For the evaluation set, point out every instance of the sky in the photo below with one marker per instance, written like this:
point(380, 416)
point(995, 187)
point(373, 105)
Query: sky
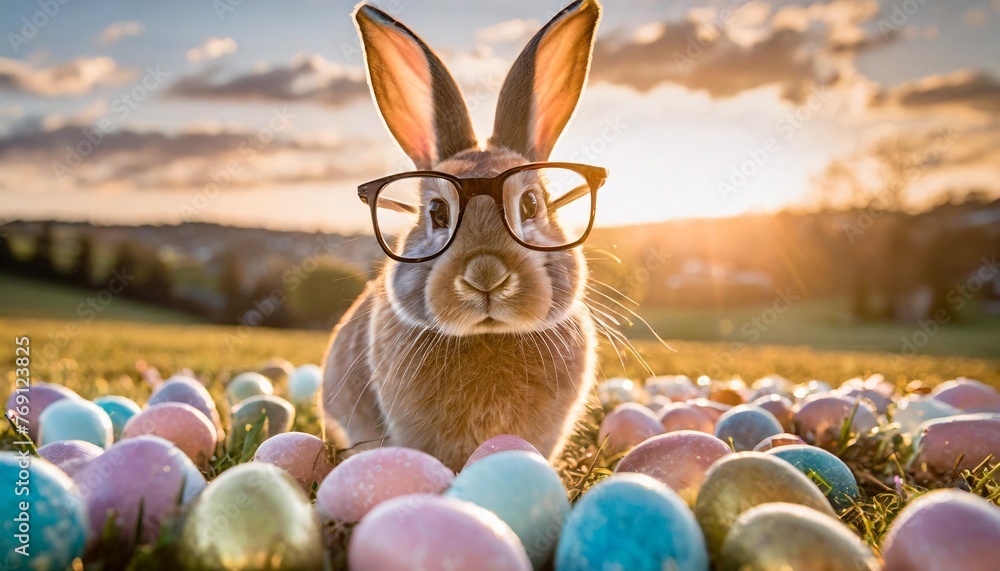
point(257, 114)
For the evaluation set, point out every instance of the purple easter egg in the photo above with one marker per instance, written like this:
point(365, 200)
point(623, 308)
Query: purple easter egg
point(678, 459)
point(684, 417)
point(968, 395)
point(627, 425)
point(947, 446)
point(780, 407)
point(70, 455)
point(29, 402)
point(819, 420)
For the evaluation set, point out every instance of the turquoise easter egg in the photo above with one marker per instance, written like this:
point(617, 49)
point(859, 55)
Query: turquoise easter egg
point(631, 521)
point(120, 409)
point(522, 490)
point(304, 383)
point(827, 471)
point(246, 385)
point(44, 524)
point(745, 426)
point(75, 419)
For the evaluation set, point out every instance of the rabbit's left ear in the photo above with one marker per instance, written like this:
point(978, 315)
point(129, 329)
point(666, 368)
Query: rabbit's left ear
point(417, 97)
point(544, 84)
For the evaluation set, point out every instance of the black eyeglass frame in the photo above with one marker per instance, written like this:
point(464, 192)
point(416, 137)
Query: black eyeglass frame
point(469, 188)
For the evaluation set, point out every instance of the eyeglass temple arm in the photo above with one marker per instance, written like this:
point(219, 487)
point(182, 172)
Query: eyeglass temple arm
point(569, 196)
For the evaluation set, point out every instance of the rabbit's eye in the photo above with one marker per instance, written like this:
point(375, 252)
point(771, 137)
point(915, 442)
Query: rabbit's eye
point(439, 213)
point(528, 205)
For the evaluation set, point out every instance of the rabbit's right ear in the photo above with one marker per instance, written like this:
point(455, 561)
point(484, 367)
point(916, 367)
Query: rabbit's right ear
point(417, 97)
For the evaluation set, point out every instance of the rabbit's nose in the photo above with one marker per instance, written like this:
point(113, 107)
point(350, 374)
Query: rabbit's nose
point(485, 273)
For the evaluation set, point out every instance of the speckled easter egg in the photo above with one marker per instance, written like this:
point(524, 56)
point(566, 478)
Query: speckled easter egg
point(619, 390)
point(944, 530)
point(819, 420)
point(434, 533)
point(43, 515)
point(912, 411)
point(246, 385)
point(179, 423)
point(368, 478)
point(631, 521)
point(684, 417)
point(147, 475)
point(678, 459)
point(968, 395)
point(627, 425)
point(302, 455)
point(500, 443)
point(188, 391)
point(830, 473)
point(738, 482)
point(279, 412)
point(745, 426)
point(524, 492)
point(677, 388)
point(780, 407)
point(277, 370)
point(304, 384)
point(70, 455)
point(947, 446)
point(782, 537)
point(119, 409)
point(29, 402)
point(75, 419)
point(783, 439)
point(253, 516)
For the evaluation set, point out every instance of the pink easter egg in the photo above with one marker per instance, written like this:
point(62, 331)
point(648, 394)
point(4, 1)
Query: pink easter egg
point(179, 423)
point(187, 390)
point(684, 417)
point(500, 443)
point(780, 407)
point(70, 455)
point(627, 425)
point(434, 533)
point(968, 395)
point(784, 439)
point(818, 420)
point(949, 445)
point(371, 477)
point(710, 407)
point(678, 459)
point(302, 455)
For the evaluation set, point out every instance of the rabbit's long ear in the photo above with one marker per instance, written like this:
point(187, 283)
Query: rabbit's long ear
point(419, 100)
point(544, 84)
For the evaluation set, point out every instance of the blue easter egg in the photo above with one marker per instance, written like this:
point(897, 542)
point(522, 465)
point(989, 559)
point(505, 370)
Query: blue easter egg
point(631, 521)
point(522, 490)
point(304, 383)
point(830, 473)
point(44, 525)
point(745, 426)
point(120, 409)
point(73, 419)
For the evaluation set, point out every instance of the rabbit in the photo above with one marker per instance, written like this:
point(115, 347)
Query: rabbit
point(413, 362)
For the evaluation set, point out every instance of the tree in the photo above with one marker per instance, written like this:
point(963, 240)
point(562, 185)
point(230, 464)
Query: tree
point(84, 266)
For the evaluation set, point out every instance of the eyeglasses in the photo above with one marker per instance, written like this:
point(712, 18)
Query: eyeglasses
point(545, 206)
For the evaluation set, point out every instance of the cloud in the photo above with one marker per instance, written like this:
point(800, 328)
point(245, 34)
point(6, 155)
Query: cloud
point(74, 77)
point(307, 78)
point(119, 30)
point(211, 48)
point(963, 90)
point(516, 30)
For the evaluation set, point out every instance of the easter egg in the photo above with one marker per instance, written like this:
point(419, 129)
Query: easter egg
point(500, 443)
point(119, 409)
point(524, 492)
point(627, 425)
point(968, 395)
point(631, 521)
point(619, 390)
point(814, 387)
point(29, 402)
point(246, 385)
point(780, 407)
point(280, 415)
point(783, 439)
point(737, 482)
point(277, 370)
point(304, 384)
point(947, 446)
point(828, 472)
point(726, 396)
point(781, 537)
point(819, 420)
point(678, 459)
point(684, 417)
point(143, 475)
point(745, 426)
point(253, 516)
point(710, 408)
point(434, 533)
point(44, 523)
point(944, 530)
point(75, 419)
point(770, 385)
point(913, 411)
point(179, 423)
point(70, 455)
point(301, 455)
point(188, 391)
point(677, 388)
point(880, 401)
point(370, 477)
